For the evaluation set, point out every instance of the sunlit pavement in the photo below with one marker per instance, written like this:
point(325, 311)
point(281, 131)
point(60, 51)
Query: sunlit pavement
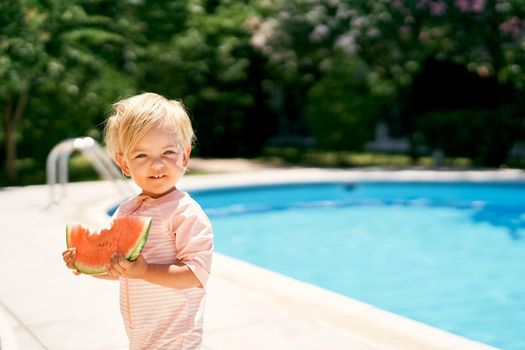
point(44, 306)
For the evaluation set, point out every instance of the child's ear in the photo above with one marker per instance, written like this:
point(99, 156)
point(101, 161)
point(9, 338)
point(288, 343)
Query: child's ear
point(119, 158)
point(186, 158)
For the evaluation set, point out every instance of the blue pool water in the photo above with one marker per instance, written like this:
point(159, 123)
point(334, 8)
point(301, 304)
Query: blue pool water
point(451, 255)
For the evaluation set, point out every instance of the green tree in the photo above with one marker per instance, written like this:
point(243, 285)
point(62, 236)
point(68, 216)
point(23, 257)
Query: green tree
point(21, 59)
point(341, 111)
point(395, 39)
point(210, 63)
point(62, 62)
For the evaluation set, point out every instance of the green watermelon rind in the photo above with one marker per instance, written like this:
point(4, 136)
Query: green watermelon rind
point(134, 253)
point(131, 255)
point(88, 270)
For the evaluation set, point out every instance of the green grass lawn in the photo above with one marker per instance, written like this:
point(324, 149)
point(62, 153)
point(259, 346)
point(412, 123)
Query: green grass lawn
point(320, 158)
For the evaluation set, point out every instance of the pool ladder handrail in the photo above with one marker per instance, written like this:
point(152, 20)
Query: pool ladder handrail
point(59, 156)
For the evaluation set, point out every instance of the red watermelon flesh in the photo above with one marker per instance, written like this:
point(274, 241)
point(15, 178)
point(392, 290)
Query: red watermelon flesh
point(126, 236)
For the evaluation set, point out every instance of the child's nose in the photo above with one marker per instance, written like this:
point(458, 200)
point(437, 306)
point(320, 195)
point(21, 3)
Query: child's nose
point(157, 164)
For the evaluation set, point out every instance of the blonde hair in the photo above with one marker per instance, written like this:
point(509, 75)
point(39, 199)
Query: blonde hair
point(131, 118)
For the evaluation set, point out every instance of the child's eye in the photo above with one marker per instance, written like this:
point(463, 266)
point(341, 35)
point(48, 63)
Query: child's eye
point(141, 155)
point(170, 152)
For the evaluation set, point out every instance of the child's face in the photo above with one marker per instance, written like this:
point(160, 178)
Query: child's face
point(156, 164)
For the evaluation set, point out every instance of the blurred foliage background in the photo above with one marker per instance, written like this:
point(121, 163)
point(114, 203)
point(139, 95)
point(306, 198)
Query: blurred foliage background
point(305, 80)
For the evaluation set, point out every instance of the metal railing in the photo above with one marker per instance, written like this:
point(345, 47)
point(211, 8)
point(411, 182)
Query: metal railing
point(57, 166)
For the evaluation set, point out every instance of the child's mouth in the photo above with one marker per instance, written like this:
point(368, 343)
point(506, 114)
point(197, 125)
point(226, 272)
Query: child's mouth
point(157, 176)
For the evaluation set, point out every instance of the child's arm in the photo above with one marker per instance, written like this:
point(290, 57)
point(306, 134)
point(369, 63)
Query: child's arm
point(167, 275)
point(194, 241)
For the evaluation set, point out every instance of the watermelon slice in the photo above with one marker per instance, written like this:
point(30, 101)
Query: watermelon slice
point(127, 236)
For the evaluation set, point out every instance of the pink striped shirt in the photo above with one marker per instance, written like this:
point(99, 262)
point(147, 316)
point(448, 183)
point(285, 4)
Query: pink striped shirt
point(158, 317)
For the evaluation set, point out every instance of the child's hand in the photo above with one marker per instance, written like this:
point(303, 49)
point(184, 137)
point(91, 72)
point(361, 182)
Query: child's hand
point(120, 266)
point(69, 256)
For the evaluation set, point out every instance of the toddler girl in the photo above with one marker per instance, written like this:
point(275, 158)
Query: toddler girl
point(162, 292)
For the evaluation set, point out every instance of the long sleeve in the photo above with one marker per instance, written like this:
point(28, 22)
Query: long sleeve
point(194, 240)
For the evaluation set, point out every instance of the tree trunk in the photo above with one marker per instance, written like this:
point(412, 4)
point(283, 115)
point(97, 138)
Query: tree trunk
point(12, 116)
point(10, 150)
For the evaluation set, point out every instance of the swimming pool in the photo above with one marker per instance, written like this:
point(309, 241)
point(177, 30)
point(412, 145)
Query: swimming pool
point(447, 254)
